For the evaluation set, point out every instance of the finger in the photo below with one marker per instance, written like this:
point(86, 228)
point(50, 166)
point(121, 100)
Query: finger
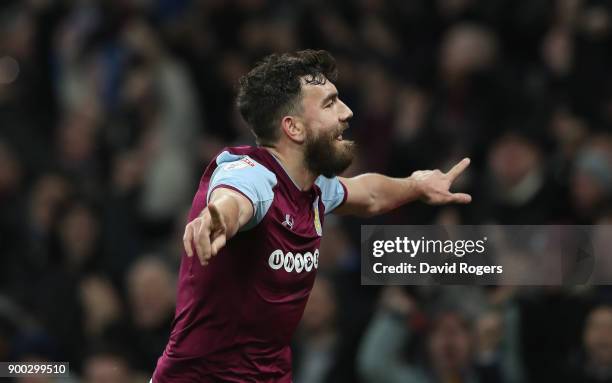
point(196, 226)
point(461, 198)
point(187, 238)
point(216, 217)
point(217, 244)
point(202, 242)
point(459, 168)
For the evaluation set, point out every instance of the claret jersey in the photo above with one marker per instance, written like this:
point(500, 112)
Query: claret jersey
point(235, 317)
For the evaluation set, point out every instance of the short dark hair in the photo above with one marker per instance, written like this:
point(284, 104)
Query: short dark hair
point(272, 88)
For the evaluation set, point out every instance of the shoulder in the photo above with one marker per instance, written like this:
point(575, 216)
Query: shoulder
point(241, 171)
point(329, 186)
point(238, 170)
point(333, 192)
point(242, 164)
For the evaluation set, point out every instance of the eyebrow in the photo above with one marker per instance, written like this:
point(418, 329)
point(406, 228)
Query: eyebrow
point(329, 97)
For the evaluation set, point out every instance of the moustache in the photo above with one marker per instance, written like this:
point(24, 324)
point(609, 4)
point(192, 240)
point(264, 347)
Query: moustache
point(340, 129)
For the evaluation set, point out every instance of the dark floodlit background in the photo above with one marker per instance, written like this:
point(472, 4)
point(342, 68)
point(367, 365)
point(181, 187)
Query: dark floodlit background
point(110, 110)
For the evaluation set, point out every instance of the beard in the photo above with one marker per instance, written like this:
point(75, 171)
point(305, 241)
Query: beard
point(326, 155)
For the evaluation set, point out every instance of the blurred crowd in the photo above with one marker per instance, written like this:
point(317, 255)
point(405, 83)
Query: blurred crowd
point(110, 110)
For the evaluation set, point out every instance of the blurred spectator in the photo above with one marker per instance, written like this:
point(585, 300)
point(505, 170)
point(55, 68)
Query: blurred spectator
point(79, 247)
point(467, 99)
point(337, 251)
point(101, 304)
point(151, 291)
point(74, 251)
point(518, 189)
point(454, 350)
point(172, 132)
point(36, 347)
point(591, 182)
point(376, 129)
point(317, 349)
point(551, 319)
point(106, 365)
point(76, 147)
point(595, 364)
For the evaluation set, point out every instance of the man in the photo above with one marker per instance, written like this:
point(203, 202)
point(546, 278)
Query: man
point(257, 220)
point(594, 363)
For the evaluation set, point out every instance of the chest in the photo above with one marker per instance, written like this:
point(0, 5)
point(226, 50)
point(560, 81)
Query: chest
point(291, 235)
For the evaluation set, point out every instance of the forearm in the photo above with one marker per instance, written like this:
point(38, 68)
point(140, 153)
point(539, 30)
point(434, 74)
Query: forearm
point(234, 214)
point(387, 193)
point(229, 209)
point(225, 213)
point(371, 194)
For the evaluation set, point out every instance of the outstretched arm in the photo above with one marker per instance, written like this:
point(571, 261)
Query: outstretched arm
point(226, 212)
point(372, 194)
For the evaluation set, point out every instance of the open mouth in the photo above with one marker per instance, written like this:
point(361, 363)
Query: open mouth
point(341, 130)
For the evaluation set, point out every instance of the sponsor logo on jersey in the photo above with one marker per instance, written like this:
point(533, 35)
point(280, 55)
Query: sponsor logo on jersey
point(297, 262)
point(317, 220)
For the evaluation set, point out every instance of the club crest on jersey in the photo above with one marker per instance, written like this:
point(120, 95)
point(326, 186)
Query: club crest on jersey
point(288, 221)
point(317, 219)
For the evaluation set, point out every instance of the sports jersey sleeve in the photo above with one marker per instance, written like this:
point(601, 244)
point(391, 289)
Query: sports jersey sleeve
point(333, 192)
point(249, 178)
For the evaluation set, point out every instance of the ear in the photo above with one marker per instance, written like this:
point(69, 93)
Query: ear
point(294, 128)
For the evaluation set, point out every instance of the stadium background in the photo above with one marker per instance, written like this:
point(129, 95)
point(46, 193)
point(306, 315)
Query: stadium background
point(109, 111)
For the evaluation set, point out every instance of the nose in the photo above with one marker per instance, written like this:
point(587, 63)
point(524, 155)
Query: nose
point(347, 113)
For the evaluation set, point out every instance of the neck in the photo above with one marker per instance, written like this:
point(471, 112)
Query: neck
point(292, 160)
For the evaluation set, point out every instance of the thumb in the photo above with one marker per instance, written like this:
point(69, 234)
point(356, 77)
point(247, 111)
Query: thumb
point(461, 198)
